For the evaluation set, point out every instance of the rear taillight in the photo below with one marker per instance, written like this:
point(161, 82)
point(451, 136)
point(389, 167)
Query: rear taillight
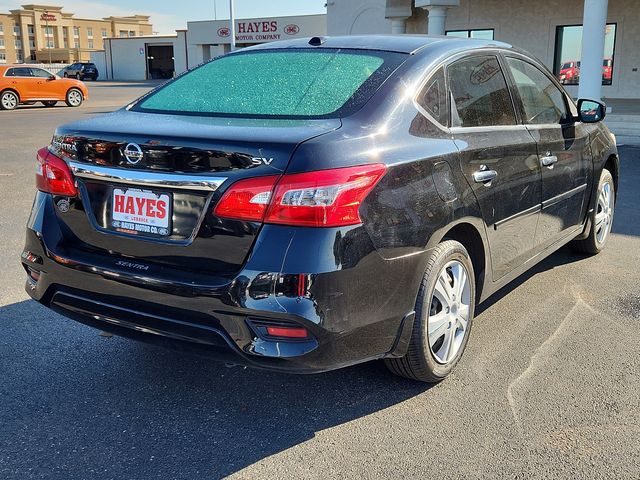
point(53, 175)
point(324, 198)
point(247, 199)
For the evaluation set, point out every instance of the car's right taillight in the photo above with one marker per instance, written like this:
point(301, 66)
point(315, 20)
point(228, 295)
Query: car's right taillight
point(323, 198)
point(53, 175)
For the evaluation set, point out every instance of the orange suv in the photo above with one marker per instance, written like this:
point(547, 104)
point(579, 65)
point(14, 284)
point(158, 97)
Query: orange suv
point(24, 84)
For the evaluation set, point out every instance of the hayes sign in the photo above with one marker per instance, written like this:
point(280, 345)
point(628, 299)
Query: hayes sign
point(260, 31)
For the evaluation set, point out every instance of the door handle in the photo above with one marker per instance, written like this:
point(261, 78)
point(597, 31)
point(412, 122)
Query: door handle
point(548, 160)
point(484, 175)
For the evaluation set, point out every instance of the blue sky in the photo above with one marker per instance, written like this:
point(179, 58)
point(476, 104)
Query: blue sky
point(166, 16)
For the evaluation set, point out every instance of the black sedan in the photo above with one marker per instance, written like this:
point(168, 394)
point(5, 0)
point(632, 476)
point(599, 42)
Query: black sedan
point(310, 204)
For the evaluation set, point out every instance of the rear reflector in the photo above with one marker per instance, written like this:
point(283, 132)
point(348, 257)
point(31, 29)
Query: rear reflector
point(53, 175)
point(324, 198)
point(287, 332)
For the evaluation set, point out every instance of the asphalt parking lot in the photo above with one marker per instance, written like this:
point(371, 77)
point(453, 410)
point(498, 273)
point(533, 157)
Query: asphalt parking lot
point(549, 386)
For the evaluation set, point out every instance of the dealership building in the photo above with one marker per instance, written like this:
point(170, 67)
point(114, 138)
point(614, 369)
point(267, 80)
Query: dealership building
point(151, 57)
point(603, 55)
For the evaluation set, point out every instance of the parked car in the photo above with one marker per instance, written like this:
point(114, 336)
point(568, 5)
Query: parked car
point(21, 84)
point(569, 73)
point(81, 71)
point(607, 71)
point(356, 200)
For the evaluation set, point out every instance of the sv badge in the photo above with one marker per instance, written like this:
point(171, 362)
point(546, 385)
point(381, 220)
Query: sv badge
point(261, 161)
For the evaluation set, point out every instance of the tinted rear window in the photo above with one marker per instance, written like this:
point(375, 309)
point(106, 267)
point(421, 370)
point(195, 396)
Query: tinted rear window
point(292, 83)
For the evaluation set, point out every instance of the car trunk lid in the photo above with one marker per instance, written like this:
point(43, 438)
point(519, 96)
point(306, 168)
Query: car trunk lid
point(148, 183)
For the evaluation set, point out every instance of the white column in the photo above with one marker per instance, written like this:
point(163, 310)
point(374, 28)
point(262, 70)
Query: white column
point(593, 32)
point(398, 25)
point(437, 19)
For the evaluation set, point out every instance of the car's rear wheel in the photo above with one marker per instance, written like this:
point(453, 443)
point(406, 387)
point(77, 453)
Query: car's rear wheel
point(601, 217)
point(74, 97)
point(444, 314)
point(9, 100)
point(65, 75)
point(49, 103)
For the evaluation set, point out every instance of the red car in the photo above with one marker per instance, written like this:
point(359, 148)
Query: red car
point(569, 73)
point(607, 71)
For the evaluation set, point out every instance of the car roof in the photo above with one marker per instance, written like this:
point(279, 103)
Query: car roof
point(393, 43)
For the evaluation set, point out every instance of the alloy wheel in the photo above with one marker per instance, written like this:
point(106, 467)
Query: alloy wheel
point(75, 98)
point(604, 212)
point(9, 101)
point(449, 311)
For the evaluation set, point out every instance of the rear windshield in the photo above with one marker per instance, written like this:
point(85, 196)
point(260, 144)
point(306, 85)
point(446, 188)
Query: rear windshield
point(292, 83)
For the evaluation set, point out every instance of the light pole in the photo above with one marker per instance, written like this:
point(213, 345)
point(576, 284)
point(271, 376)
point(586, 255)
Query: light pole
point(46, 32)
point(232, 26)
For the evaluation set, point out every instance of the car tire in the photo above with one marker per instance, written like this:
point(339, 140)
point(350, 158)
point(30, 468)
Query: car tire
point(601, 218)
point(49, 103)
point(65, 75)
point(9, 100)
point(74, 97)
point(438, 319)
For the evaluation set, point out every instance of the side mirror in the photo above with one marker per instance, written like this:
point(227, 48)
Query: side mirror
point(52, 77)
point(591, 111)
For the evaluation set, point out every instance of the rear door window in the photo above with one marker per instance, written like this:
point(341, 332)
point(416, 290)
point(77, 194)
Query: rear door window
point(479, 94)
point(542, 101)
point(281, 83)
point(18, 72)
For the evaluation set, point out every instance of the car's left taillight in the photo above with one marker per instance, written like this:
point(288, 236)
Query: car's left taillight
point(53, 175)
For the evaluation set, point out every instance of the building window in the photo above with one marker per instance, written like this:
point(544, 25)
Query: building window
point(50, 44)
point(3, 58)
point(30, 29)
point(566, 63)
point(32, 43)
point(89, 32)
point(19, 58)
point(76, 44)
point(33, 56)
point(16, 29)
point(66, 43)
point(90, 43)
point(104, 33)
point(1, 42)
point(123, 34)
point(18, 44)
point(484, 34)
point(132, 33)
point(76, 32)
point(1, 28)
point(48, 31)
point(65, 32)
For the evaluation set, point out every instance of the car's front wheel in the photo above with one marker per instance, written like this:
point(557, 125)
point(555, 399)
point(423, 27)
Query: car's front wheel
point(74, 97)
point(9, 100)
point(65, 75)
point(444, 314)
point(601, 217)
point(49, 103)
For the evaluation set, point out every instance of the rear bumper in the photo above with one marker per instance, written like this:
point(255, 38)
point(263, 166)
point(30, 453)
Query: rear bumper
point(356, 305)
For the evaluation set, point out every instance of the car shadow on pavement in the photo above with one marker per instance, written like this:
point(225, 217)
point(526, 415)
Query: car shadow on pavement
point(75, 404)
